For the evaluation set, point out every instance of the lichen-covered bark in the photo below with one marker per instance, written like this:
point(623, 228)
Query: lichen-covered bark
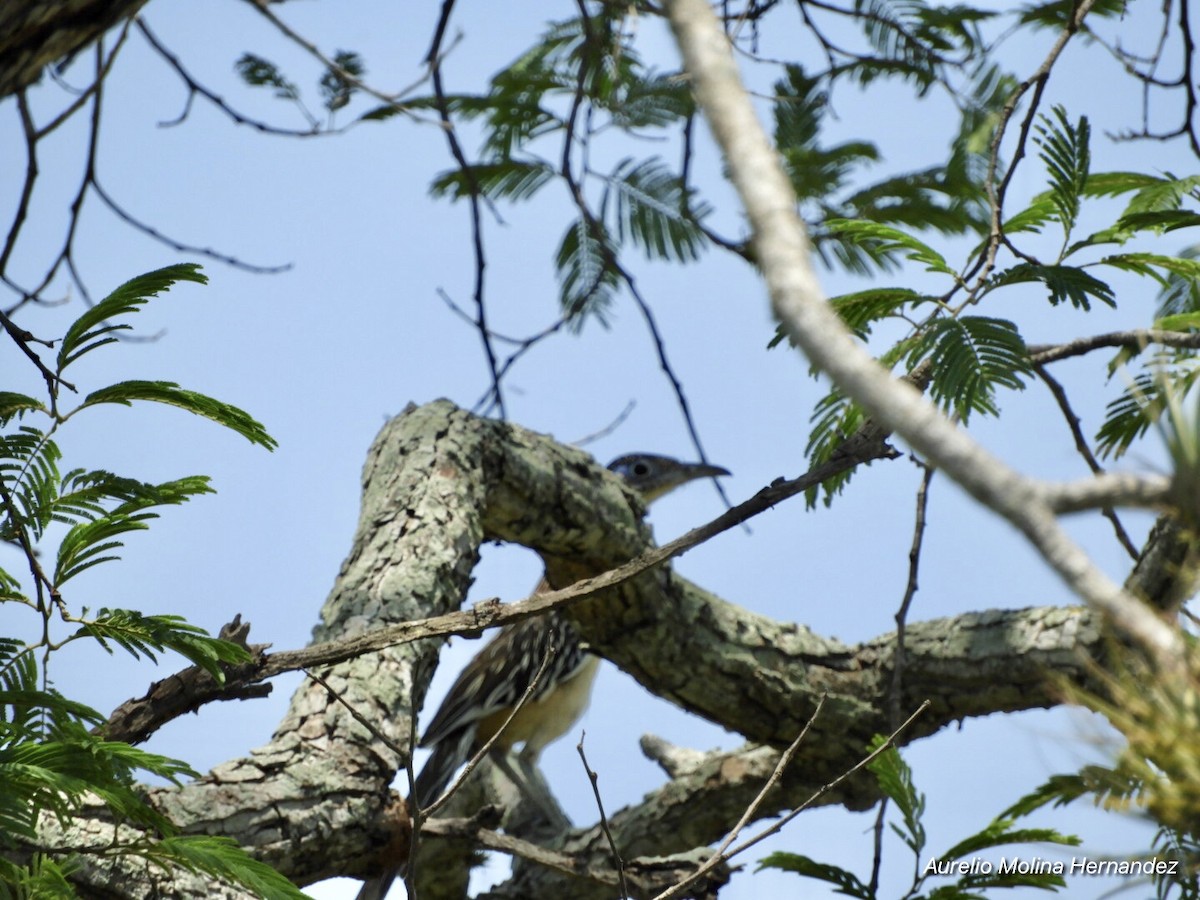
point(315, 801)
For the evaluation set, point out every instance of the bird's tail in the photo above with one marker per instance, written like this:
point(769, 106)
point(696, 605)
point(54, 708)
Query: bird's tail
point(448, 754)
point(377, 888)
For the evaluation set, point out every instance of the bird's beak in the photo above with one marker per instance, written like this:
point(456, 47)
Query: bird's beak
point(704, 470)
point(680, 475)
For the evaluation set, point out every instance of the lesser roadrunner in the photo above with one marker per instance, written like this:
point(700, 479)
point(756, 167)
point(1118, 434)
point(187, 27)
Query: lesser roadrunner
point(491, 685)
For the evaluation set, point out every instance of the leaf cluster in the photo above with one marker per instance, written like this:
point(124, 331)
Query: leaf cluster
point(580, 79)
point(54, 759)
point(337, 85)
point(977, 357)
point(895, 780)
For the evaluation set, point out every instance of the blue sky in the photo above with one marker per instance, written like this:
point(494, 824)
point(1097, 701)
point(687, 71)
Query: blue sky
point(324, 353)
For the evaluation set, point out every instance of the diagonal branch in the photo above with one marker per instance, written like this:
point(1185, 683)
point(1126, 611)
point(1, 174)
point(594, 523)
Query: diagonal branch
point(784, 254)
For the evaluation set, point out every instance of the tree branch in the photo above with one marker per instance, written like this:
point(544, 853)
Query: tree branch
point(783, 251)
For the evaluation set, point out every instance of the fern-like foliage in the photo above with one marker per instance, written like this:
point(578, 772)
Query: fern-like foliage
point(171, 394)
point(895, 780)
point(972, 356)
point(259, 72)
point(648, 204)
point(142, 635)
point(586, 274)
point(336, 89)
point(1143, 401)
point(1064, 284)
point(96, 327)
point(499, 179)
point(1066, 155)
point(54, 760)
point(835, 418)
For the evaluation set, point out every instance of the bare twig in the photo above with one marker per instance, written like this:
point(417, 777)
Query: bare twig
point(897, 688)
point(594, 779)
point(1138, 340)
point(355, 714)
point(194, 88)
point(434, 60)
point(1081, 444)
point(778, 826)
point(722, 854)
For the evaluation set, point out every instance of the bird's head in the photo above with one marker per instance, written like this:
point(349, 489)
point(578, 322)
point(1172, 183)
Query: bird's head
point(652, 476)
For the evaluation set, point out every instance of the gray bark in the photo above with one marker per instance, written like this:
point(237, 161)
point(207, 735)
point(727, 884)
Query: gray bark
point(315, 802)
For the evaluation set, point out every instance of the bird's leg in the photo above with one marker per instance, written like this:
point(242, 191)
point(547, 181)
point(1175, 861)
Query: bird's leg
point(528, 780)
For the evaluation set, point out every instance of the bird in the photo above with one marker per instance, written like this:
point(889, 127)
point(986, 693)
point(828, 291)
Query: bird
point(493, 682)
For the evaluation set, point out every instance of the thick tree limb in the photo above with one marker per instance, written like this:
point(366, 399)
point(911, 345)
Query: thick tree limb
point(35, 33)
point(315, 801)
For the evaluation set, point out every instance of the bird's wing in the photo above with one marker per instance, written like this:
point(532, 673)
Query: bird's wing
point(502, 671)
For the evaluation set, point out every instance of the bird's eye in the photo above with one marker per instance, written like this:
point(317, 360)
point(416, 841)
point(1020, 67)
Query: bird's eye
point(641, 468)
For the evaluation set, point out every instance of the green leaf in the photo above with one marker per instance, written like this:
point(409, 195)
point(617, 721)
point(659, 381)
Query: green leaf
point(653, 101)
point(17, 405)
point(82, 546)
point(510, 179)
point(1065, 283)
point(259, 72)
point(972, 356)
point(887, 240)
point(846, 882)
point(1059, 14)
point(932, 199)
point(336, 90)
point(815, 172)
point(1163, 195)
point(1181, 294)
point(861, 309)
point(93, 329)
point(835, 418)
point(1065, 153)
point(1183, 322)
point(1042, 209)
point(1140, 405)
point(172, 394)
point(57, 775)
point(895, 780)
point(29, 464)
point(650, 206)
point(586, 274)
point(1001, 833)
point(221, 858)
point(140, 635)
point(1113, 184)
point(1150, 263)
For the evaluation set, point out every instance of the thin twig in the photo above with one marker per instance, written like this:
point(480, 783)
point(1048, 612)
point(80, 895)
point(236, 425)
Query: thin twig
point(355, 714)
point(475, 194)
point(607, 429)
point(612, 844)
point(816, 795)
point(180, 246)
point(1081, 444)
point(896, 690)
point(1137, 340)
point(194, 88)
point(752, 810)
